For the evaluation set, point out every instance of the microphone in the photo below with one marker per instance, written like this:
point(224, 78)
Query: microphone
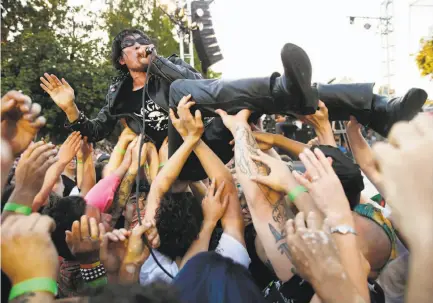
point(149, 50)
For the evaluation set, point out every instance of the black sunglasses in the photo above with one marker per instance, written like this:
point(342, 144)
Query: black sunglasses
point(131, 41)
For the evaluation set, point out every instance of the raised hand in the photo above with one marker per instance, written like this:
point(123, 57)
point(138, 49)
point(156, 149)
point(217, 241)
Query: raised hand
point(264, 140)
point(70, 148)
point(20, 120)
point(311, 246)
point(86, 150)
point(353, 125)
point(319, 119)
point(186, 124)
point(404, 166)
point(230, 121)
point(324, 187)
point(279, 177)
point(31, 170)
point(60, 91)
point(113, 249)
point(127, 135)
point(84, 240)
point(25, 238)
point(214, 204)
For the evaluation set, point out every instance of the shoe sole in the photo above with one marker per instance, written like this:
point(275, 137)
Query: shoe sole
point(297, 67)
point(413, 104)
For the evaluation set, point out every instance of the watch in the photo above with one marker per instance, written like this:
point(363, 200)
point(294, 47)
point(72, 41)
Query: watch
point(343, 229)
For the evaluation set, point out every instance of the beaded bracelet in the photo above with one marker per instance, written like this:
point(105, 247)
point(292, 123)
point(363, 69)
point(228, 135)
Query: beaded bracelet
point(91, 272)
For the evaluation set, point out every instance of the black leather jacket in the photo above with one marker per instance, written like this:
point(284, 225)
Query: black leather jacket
point(163, 72)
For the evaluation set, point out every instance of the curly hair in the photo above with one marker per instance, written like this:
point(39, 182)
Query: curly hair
point(64, 211)
point(178, 220)
point(116, 49)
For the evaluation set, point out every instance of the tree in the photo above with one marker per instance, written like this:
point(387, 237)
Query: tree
point(45, 37)
point(424, 59)
point(147, 16)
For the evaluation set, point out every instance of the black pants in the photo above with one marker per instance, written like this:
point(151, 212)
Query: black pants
point(254, 94)
point(209, 95)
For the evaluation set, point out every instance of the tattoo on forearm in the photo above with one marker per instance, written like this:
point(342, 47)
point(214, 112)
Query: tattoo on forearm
point(280, 212)
point(122, 196)
point(280, 238)
point(24, 298)
point(245, 146)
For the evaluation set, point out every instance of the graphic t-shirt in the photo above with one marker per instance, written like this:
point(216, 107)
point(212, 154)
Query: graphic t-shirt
point(156, 117)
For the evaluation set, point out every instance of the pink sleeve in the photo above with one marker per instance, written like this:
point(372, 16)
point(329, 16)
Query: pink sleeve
point(102, 194)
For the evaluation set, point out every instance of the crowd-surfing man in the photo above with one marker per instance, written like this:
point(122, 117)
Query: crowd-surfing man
point(164, 81)
point(221, 218)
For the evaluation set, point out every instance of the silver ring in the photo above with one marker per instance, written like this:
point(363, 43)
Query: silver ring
point(315, 178)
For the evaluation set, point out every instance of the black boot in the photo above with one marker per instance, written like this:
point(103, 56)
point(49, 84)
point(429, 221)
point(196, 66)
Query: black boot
point(374, 111)
point(385, 113)
point(292, 91)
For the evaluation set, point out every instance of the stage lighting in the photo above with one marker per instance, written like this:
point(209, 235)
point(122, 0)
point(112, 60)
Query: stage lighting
point(204, 38)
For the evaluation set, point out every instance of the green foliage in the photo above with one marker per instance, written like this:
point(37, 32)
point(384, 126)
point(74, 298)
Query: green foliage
point(39, 36)
point(424, 59)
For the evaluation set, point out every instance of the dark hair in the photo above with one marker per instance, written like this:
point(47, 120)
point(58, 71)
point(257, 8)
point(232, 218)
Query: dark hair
point(64, 211)
point(116, 49)
point(157, 292)
point(211, 278)
point(178, 220)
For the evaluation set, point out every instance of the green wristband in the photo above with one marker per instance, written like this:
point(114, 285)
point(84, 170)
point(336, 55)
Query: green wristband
point(161, 165)
point(79, 161)
point(18, 208)
point(121, 151)
point(36, 284)
point(294, 193)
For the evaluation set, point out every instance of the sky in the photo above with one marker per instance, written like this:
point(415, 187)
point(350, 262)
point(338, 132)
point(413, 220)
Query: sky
point(251, 34)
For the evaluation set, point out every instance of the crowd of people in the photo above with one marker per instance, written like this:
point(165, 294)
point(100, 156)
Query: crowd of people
point(77, 227)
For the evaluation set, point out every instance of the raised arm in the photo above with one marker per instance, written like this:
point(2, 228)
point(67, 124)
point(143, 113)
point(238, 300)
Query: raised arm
point(363, 153)
point(67, 152)
point(171, 170)
point(116, 157)
point(63, 95)
point(232, 221)
point(214, 206)
point(85, 168)
point(266, 206)
point(267, 140)
point(320, 121)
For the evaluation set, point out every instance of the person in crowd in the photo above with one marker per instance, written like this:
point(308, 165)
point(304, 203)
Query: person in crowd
point(254, 225)
point(149, 85)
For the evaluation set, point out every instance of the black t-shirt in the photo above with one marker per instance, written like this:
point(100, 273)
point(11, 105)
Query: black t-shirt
point(69, 185)
point(156, 126)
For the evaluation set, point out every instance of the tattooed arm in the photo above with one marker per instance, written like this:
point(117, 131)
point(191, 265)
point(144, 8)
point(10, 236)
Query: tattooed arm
point(122, 195)
point(268, 209)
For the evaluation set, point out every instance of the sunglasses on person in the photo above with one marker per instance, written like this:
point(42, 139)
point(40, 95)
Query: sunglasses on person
point(131, 42)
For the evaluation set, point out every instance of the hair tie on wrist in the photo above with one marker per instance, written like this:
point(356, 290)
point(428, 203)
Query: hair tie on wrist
point(32, 285)
point(18, 208)
point(294, 193)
